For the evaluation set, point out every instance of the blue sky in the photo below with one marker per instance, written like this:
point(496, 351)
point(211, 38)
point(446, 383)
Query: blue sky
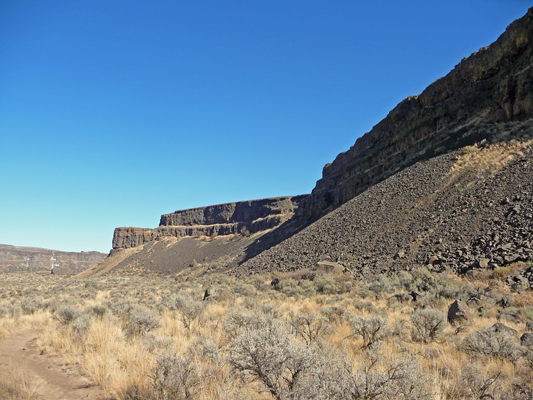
point(115, 112)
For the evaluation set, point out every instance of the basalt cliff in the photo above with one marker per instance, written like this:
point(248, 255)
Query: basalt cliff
point(244, 218)
point(443, 181)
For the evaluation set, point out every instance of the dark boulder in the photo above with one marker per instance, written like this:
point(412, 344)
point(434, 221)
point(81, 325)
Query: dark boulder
point(458, 313)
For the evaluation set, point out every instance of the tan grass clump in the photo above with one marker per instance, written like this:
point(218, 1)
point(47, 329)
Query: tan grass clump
point(489, 159)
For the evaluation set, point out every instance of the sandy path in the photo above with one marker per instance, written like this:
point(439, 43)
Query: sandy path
point(54, 381)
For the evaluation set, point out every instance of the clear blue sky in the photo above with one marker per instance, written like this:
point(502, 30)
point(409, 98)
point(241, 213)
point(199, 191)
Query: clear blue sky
point(114, 112)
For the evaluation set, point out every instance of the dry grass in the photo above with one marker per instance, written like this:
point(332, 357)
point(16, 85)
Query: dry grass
point(126, 364)
point(491, 158)
point(16, 385)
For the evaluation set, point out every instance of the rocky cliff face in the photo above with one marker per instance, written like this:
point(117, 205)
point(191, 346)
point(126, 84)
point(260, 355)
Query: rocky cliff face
point(30, 259)
point(242, 217)
point(461, 212)
point(473, 102)
point(403, 196)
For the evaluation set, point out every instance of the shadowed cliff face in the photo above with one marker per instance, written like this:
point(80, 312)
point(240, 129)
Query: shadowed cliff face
point(244, 217)
point(491, 87)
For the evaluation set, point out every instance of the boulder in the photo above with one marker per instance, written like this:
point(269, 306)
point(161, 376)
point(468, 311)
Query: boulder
point(498, 327)
point(458, 313)
point(527, 339)
point(330, 267)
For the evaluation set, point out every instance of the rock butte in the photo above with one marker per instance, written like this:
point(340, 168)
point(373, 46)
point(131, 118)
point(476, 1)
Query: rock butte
point(399, 197)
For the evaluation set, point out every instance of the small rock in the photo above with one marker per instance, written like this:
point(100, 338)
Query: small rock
point(483, 262)
point(512, 258)
point(529, 326)
point(433, 260)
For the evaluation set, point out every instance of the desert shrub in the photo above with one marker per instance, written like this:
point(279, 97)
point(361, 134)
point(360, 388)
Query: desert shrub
point(31, 306)
point(477, 384)
point(429, 324)
point(245, 290)
point(141, 320)
point(257, 281)
point(490, 343)
point(155, 344)
point(405, 280)
point(525, 312)
point(326, 284)
point(190, 310)
point(469, 149)
point(307, 288)
point(121, 308)
point(363, 291)
point(333, 314)
point(81, 324)
point(373, 376)
point(378, 376)
point(67, 314)
point(425, 281)
point(367, 306)
point(174, 378)
point(250, 303)
point(98, 311)
point(372, 329)
point(310, 326)
point(4, 312)
point(237, 320)
point(269, 356)
point(210, 349)
point(451, 291)
point(382, 285)
point(268, 309)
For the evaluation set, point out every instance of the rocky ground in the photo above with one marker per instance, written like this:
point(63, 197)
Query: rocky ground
point(464, 211)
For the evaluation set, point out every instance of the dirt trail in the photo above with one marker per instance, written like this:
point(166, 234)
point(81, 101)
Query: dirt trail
point(54, 381)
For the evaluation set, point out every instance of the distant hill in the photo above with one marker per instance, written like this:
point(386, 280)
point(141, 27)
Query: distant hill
point(443, 181)
point(32, 259)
